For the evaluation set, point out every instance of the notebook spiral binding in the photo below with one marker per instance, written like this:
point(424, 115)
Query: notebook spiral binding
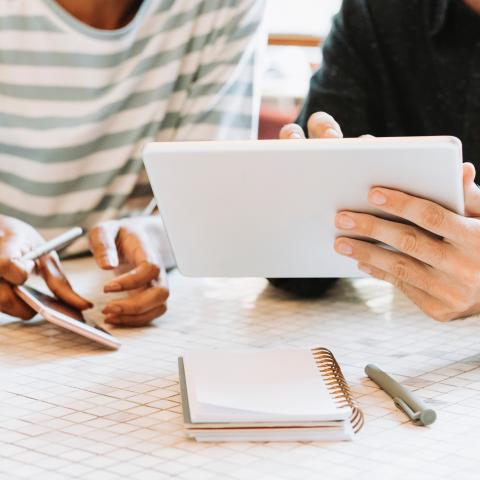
point(337, 385)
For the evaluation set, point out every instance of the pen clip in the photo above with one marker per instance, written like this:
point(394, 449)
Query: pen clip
point(402, 405)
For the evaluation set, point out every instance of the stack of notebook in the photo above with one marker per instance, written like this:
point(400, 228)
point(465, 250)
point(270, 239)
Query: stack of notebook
point(266, 395)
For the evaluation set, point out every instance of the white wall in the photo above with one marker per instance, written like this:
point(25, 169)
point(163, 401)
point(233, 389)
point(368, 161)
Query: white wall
point(308, 17)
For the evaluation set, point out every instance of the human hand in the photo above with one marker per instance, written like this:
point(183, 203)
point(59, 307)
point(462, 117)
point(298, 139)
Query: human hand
point(320, 125)
point(132, 246)
point(16, 239)
point(437, 262)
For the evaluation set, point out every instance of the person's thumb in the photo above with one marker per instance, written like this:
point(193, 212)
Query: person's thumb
point(471, 191)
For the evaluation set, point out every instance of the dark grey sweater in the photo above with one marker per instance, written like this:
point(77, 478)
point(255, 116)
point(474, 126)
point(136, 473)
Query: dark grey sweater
point(399, 68)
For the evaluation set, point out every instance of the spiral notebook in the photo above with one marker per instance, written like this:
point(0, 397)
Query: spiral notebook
point(266, 395)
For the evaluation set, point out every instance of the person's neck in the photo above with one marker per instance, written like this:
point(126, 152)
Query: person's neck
point(102, 14)
point(474, 5)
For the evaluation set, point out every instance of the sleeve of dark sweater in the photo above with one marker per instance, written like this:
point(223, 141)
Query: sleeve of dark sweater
point(341, 88)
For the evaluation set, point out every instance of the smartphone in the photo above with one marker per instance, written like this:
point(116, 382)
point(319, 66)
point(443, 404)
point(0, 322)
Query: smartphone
point(55, 311)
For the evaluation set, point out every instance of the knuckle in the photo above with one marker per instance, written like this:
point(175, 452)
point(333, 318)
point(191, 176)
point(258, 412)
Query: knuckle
point(433, 216)
point(400, 270)
point(409, 242)
point(470, 277)
point(362, 254)
point(148, 271)
point(153, 270)
point(160, 294)
point(400, 285)
point(368, 225)
point(399, 202)
point(437, 253)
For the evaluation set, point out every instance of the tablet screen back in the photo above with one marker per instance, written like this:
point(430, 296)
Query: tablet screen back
point(267, 208)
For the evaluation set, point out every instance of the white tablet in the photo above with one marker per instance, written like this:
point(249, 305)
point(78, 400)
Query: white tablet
point(267, 208)
point(62, 315)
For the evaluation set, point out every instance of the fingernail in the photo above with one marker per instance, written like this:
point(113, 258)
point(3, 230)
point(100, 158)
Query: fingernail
point(344, 248)
point(344, 221)
point(378, 198)
point(331, 133)
point(295, 136)
point(112, 287)
point(112, 309)
point(365, 268)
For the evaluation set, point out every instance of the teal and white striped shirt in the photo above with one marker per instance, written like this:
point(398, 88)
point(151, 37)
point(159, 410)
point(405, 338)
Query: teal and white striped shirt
point(77, 104)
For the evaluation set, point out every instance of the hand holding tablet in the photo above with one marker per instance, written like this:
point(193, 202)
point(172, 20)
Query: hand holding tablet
point(278, 209)
point(436, 262)
point(268, 208)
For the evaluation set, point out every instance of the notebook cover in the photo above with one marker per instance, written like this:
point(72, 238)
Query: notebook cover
point(232, 425)
point(334, 381)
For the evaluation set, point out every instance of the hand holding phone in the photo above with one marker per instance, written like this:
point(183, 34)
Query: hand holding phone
point(17, 239)
point(59, 313)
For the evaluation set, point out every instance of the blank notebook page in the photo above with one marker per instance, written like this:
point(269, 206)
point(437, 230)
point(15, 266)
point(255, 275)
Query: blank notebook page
point(281, 385)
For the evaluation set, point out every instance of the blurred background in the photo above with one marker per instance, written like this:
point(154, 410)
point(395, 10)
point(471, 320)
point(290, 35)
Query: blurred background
point(296, 31)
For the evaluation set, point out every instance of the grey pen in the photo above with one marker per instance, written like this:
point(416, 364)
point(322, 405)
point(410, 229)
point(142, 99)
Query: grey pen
point(415, 409)
point(54, 244)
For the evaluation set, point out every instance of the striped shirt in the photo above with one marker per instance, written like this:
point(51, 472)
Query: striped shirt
point(77, 104)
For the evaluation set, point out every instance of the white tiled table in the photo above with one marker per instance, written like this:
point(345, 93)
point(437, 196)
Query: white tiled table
point(71, 410)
